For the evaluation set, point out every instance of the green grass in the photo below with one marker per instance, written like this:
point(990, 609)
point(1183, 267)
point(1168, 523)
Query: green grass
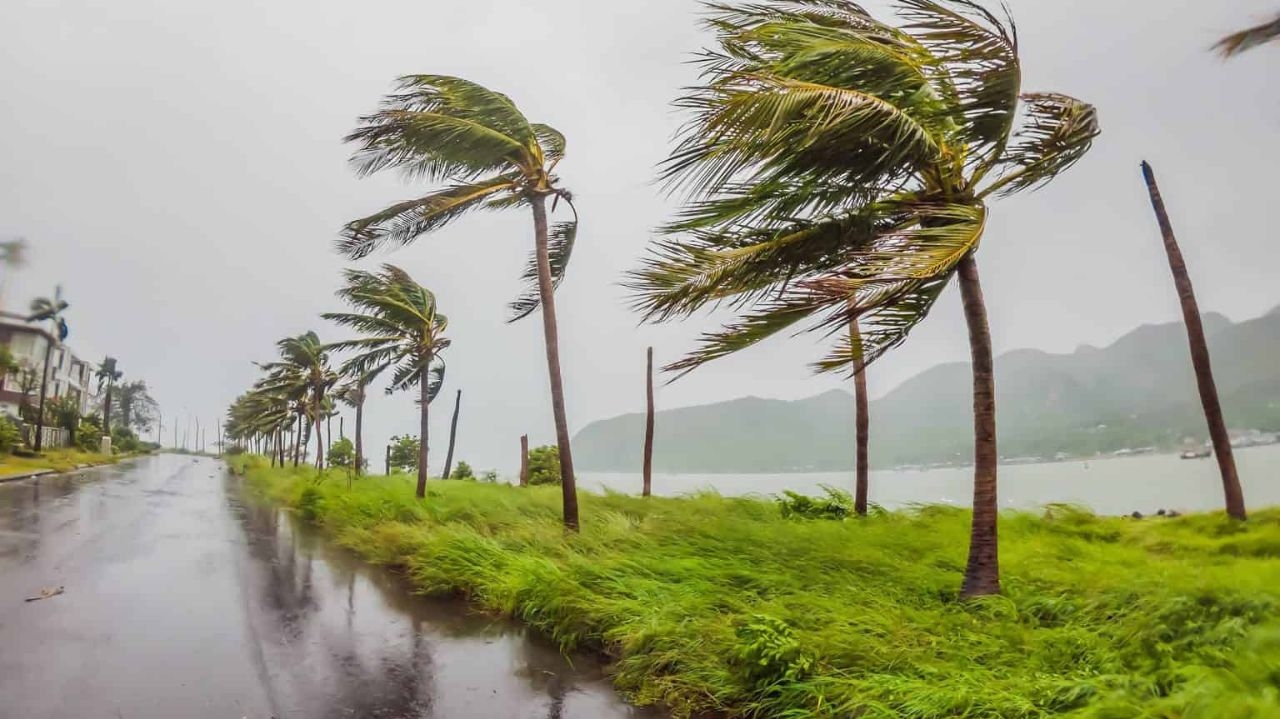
point(58, 460)
point(717, 606)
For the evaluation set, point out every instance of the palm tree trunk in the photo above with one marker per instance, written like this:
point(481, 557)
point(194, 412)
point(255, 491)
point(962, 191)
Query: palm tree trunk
point(453, 435)
point(862, 423)
point(982, 575)
point(106, 410)
point(44, 390)
point(423, 397)
point(360, 432)
point(319, 408)
point(524, 460)
point(1199, 355)
point(546, 294)
point(648, 424)
point(297, 439)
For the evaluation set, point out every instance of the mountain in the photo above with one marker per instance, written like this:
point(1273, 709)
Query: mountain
point(1138, 392)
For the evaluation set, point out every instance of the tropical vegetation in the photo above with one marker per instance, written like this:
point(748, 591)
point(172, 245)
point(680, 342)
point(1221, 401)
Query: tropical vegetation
point(839, 170)
point(486, 153)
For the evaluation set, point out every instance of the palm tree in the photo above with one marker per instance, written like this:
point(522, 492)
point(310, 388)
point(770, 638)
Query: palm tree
point(1247, 39)
point(45, 309)
point(839, 170)
point(352, 393)
point(404, 333)
point(303, 376)
point(107, 375)
point(450, 131)
point(861, 425)
point(1199, 354)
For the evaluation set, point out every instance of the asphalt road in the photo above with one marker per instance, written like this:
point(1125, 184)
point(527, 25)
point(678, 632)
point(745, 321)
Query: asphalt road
point(185, 599)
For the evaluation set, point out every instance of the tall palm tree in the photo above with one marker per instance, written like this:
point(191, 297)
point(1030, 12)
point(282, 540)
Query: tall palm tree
point(48, 309)
point(404, 333)
point(839, 170)
point(108, 374)
point(1249, 38)
point(304, 377)
point(452, 132)
point(1199, 354)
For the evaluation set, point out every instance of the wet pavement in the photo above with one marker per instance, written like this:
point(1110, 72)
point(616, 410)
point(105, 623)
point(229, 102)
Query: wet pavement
point(183, 598)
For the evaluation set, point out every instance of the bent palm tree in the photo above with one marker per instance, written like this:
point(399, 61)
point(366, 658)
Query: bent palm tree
point(1247, 39)
point(839, 170)
point(352, 394)
point(452, 131)
point(107, 375)
point(303, 376)
point(1199, 354)
point(404, 333)
point(45, 309)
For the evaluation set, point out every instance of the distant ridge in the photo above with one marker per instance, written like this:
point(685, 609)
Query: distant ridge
point(1137, 392)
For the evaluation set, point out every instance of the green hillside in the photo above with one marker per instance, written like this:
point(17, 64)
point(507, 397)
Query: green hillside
point(1137, 392)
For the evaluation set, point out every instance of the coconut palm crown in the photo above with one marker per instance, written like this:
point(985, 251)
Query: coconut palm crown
point(838, 169)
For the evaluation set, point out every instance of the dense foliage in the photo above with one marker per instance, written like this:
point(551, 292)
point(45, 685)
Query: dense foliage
point(342, 453)
point(463, 471)
point(711, 604)
point(404, 453)
point(544, 465)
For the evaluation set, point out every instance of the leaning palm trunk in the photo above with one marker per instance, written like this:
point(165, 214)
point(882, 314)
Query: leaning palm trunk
point(982, 574)
point(546, 292)
point(1199, 355)
point(861, 425)
point(453, 436)
point(648, 425)
point(360, 433)
point(424, 401)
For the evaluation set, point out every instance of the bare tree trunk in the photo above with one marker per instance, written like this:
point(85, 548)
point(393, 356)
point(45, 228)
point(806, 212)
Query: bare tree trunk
point(318, 398)
point(1218, 433)
point(648, 425)
point(423, 397)
point(360, 432)
point(862, 423)
point(546, 292)
point(297, 440)
point(524, 460)
point(982, 575)
point(453, 435)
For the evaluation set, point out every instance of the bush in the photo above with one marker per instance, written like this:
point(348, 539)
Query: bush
point(404, 453)
point(10, 434)
point(463, 471)
point(768, 653)
point(342, 453)
point(236, 450)
point(836, 505)
point(89, 436)
point(491, 476)
point(124, 440)
point(544, 465)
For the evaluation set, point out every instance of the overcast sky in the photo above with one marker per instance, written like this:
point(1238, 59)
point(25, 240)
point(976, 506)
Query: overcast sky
point(177, 166)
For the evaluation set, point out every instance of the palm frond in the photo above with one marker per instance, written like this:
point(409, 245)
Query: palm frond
point(551, 141)
point(404, 222)
point(560, 241)
point(1239, 42)
point(1057, 132)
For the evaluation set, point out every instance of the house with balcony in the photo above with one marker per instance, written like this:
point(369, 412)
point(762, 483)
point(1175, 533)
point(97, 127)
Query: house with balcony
point(68, 374)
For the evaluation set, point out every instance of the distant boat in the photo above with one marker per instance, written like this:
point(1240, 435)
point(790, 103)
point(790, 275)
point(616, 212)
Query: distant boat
point(1196, 454)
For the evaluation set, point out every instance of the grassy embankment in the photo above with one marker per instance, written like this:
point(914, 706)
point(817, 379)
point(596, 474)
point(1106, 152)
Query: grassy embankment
point(719, 606)
point(58, 460)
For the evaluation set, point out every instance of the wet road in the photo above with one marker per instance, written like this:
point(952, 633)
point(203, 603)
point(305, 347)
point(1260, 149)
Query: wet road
point(183, 599)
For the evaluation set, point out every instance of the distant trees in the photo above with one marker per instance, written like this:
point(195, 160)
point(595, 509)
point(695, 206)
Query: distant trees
point(137, 406)
point(302, 377)
point(108, 374)
point(838, 170)
point(406, 452)
point(477, 142)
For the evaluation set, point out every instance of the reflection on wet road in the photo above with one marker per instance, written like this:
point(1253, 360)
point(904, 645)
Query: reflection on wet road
point(184, 599)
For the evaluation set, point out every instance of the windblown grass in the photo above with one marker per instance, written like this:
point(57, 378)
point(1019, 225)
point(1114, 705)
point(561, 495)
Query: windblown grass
point(58, 460)
point(718, 606)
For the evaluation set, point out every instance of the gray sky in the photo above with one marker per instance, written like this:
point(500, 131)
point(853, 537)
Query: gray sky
point(177, 166)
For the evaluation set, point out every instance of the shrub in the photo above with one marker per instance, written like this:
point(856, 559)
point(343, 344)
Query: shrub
point(544, 465)
point(89, 436)
point(836, 505)
point(236, 450)
point(124, 440)
point(491, 476)
point(342, 453)
point(463, 471)
point(10, 434)
point(768, 652)
point(404, 453)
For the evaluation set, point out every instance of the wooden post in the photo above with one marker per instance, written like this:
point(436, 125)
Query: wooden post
point(388, 461)
point(648, 425)
point(524, 460)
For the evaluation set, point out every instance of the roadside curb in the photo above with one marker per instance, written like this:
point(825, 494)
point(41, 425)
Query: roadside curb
point(29, 475)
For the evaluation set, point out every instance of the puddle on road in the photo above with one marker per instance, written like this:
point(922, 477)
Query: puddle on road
point(335, 637)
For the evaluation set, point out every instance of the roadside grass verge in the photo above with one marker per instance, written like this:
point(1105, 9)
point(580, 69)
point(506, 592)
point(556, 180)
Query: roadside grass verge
point(715, 606)
point(58, 460)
